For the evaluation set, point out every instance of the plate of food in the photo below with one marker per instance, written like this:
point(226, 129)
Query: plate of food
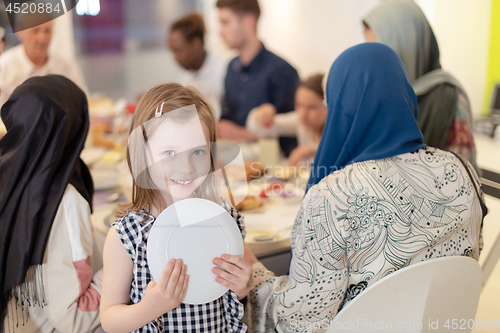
point(250, 204)
point(280, 192)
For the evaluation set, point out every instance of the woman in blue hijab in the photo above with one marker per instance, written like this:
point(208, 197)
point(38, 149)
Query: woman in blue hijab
point(372, 111)
point(379, 199)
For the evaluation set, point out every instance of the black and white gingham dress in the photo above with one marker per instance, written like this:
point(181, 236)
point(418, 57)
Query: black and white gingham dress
point(220, 315)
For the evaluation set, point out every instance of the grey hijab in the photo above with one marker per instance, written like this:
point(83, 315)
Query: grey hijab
point(401, 25)
point(426, 82)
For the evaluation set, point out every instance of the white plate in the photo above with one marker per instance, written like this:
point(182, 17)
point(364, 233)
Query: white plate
point(196, 231)
point(92, 155)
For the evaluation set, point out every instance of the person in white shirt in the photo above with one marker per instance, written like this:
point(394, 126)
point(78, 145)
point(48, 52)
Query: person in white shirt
point(200, 69)
point(32, 58)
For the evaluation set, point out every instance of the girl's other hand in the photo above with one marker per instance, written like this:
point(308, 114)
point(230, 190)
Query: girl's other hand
point(236, 274)
point(265, 115)
point(166, 294)
point(228, 130)
point(301, 153)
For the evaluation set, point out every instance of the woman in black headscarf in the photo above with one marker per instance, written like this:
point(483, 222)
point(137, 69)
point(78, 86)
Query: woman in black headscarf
point(45, 200)
point(444, 113)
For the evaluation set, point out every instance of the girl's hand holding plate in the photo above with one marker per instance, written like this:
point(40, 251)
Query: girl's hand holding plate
point(166, 294)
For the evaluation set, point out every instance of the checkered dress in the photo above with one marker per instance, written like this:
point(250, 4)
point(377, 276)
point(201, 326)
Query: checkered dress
point(220, 315)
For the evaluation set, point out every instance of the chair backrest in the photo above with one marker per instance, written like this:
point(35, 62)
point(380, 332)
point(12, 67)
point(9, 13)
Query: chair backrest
point(423, 297)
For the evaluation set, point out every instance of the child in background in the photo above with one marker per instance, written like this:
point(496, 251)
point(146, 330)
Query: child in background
point(169, 156)
point(306, 122)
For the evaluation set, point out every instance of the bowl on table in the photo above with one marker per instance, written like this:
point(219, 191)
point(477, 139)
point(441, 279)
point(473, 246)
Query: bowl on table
point(274, 218)
point(92, 155)
point(265, 229)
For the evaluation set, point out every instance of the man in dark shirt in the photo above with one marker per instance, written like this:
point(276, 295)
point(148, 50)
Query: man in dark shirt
point(256, 78)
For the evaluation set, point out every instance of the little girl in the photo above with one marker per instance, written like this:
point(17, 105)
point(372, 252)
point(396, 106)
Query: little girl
point(170, 157)
point(306, 122)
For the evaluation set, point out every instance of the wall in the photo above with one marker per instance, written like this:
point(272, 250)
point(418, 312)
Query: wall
point(462, 28)
point(493, 75)
point(309, 34)
point(145, 60)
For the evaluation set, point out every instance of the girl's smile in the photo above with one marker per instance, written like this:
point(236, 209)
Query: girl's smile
point(182, 183)
point(180, 156)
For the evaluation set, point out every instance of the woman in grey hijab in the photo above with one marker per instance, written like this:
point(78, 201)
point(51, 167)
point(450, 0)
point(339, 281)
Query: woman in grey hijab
point(444, 114)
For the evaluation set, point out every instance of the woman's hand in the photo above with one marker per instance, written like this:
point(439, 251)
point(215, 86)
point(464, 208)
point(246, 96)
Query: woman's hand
point(265, 115)
point(236, 274)
point(166, 294)
point(300, 153)
point(249, 256)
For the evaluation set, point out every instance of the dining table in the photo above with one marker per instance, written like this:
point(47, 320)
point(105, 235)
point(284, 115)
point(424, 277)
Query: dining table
point(276, 214)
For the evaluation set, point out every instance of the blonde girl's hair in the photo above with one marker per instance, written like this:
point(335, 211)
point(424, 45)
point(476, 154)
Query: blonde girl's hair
point(173, 97)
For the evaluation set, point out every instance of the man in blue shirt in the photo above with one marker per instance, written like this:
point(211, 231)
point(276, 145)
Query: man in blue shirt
point(256, 78)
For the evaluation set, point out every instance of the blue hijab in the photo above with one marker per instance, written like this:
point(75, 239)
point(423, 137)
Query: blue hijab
point(372, 110)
